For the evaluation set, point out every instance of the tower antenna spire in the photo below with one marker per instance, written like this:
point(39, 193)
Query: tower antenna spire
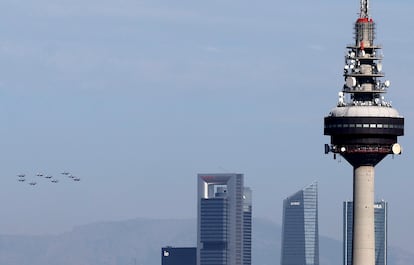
point(364, 9)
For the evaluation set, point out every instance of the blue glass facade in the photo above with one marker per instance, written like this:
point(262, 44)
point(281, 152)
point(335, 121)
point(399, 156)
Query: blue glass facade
point(178, 256)
point(380, 220)
point(300, 236)
point(247, 226)
point(214, 231)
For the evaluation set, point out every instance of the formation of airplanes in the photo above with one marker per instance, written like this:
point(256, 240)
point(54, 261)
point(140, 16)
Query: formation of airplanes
point(73, 177)
point(22, 177)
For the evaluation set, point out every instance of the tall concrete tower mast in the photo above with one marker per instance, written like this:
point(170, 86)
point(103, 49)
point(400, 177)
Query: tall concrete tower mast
point(364, 129)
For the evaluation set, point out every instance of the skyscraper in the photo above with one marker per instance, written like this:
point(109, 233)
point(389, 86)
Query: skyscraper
point(247, 226)
point(380, 220)
point(222, 232)
point(300, 237)
point(178, 256)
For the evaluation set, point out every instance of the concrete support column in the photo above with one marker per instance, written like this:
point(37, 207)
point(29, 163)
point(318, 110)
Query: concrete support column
point(363, 226)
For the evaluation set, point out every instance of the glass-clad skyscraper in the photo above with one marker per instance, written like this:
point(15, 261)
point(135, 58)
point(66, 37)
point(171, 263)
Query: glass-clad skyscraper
point(247, 226)
point(380, 224)
point(300, 236)
point(224, 220)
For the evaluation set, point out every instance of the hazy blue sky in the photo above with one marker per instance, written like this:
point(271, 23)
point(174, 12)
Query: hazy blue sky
point(137, 97)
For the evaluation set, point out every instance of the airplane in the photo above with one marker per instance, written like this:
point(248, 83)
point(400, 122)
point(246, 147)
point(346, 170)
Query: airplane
point(55, 180)
point(32, 183)
point(65, 173)
point(48, 176)
point(21, 179)
point(21, 175)
point(39, 174)
point(76, 179)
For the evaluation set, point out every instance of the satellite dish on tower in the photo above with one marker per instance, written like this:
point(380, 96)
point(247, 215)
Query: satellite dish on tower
point(379, 67)
point(351, 81)
point(396, 149)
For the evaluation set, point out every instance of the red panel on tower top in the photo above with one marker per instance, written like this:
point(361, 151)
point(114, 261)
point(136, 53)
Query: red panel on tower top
point(364, 20)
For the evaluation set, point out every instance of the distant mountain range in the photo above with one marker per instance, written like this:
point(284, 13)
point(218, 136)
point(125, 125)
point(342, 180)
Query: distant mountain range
point(139, 242)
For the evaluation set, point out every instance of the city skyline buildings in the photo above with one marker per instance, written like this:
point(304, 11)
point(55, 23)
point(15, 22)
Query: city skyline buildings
point(223, 235)
point(185, 112)
point(300, 229)
point(381, 230)
point(178, 255)
point(247, 226)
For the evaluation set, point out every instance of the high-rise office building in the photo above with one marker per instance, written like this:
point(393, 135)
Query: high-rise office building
point(247, 226)
point(380, 227)
point(223, 234)
point(300, 237)
point(178, 256)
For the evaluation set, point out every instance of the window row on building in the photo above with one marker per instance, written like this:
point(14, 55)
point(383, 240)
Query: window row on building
point(365, 125)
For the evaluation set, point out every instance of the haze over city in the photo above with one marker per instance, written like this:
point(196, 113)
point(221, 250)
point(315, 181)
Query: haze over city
point(136, 98)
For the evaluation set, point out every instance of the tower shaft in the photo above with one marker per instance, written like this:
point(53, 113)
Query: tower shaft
point(363, 223)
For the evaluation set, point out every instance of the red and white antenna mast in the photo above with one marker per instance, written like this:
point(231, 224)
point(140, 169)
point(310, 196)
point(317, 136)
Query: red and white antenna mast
point(364, 9)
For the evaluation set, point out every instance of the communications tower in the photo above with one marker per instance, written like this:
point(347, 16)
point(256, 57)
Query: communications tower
point(363, 128)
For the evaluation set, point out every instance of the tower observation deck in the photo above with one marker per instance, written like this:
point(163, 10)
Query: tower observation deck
point(363, 128)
